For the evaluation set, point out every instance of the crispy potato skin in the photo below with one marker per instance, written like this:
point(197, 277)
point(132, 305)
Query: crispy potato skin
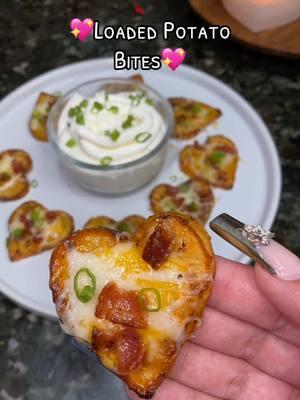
point(205, 199)
point(196, 161)
point(20, 165)
point(102, 220)
point(197, 248)
point(26, 246)
point(137, 77)
point(38, 124)
point(191, 117)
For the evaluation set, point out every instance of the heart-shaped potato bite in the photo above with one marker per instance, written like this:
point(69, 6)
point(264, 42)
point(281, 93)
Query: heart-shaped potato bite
point(193, 197)
point(33, 229)
point(14, 167)
point(128, 224)
point(39, 116)
point(191, 117)
point(216, 161)
point(136, 300)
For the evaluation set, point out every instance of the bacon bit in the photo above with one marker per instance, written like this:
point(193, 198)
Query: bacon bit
point(51, 215)
point(125, 343)
point(37, 239)
point(25, 221)
point(121, 307)
point(17, 166)
point(158, 246)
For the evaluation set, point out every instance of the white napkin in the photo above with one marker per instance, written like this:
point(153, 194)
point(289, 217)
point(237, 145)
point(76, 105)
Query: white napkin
point(260, 15)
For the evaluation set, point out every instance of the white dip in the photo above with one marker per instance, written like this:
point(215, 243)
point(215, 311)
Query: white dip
point(110, 129)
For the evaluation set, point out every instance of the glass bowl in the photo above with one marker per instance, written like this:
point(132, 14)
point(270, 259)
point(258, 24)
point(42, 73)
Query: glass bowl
point(119, 178)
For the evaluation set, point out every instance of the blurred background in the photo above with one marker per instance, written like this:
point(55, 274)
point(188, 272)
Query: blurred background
point(37, 360)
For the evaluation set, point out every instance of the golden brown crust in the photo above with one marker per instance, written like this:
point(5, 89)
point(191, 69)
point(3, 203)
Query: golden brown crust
point(191, 117)
point(137, 77)
point(14, 166)
point(38, 119)
point(216, 161)
point(124, 347)
point(193, 197)
point(101, 220)
point(34, 229)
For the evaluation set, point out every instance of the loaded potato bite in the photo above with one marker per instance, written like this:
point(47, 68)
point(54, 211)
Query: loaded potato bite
point(14, 167)
point(216, 161)
point(134, 301)
point(191, 117)
point(193, 197)
point(33, 229)
point(38, 119)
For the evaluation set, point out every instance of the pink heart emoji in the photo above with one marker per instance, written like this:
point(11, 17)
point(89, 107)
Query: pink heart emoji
point(173, 58)
point(81, 29)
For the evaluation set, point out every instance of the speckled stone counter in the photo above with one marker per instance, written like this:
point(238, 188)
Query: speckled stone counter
point(37, 360)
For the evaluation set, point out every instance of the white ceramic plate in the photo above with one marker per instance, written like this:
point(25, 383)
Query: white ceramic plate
point(254, 198)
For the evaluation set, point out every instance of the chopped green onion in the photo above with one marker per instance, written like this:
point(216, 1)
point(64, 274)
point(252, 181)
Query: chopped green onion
point(84, 103)
point(34, 183)
point(173, 178)
point(97, 107)
point(106, 160)
point(135, 100)
point(114, 109)
point(150, 299)
point(123, 227)
point(72, 112)
point(143, 137)
point(114, 135)
point(80, 119)
point(197, 108)
point(106, 96)
point(35, 217)
point(192, 206)
point(71, 143)
point(128, 122)
point(5, 175)
point(84, 292)
point(149, 101)
point(184, 187)
point(37, 115)
point(18, 233)
point(169, 206)
point(217, 157)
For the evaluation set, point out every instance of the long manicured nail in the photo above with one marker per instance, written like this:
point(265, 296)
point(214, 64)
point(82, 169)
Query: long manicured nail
point(285, 263)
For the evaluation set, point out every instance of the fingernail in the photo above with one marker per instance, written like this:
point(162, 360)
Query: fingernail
point(285, 263)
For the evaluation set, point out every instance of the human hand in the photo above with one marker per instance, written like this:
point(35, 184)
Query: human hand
point(249, 345)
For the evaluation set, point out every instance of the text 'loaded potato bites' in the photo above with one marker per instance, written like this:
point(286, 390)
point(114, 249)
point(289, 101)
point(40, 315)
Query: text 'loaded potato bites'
point(191, 117)
point(215, 161)
point(134, 300)
point(33, 229)
point(193, 197)
point(14, 167)
point(129, 224)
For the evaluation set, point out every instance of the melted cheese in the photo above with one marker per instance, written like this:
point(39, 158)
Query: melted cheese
point(124, 266)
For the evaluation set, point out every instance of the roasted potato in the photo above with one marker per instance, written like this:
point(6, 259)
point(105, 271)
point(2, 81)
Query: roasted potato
point(136, 300)
point(193, 197)
point(128, 224)
point(191, 117)
point(216, 161)
point(38, 120)
point(14, 167)
point(33, 229)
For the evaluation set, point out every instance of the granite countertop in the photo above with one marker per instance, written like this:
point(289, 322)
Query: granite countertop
point(37, 359)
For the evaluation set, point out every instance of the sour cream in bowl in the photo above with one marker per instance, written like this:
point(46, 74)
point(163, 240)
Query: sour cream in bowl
point(111, 135)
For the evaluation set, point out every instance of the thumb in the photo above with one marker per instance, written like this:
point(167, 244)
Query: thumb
point(283, 290)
